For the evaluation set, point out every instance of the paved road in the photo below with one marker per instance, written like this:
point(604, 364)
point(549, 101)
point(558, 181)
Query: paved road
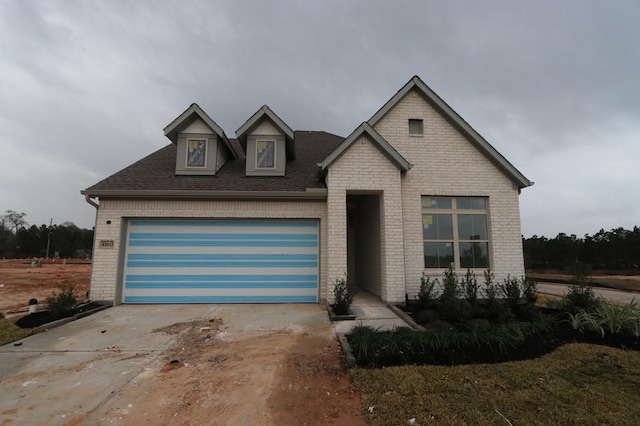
point(615, 295)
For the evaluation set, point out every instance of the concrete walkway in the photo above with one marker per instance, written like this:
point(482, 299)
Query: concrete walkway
point(369, 310)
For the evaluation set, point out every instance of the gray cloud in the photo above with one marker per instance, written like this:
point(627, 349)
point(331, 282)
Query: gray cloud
point(87, 87)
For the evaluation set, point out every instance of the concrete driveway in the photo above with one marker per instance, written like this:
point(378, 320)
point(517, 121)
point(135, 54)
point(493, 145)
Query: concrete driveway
point(74, 374)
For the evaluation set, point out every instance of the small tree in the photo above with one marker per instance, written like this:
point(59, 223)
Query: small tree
point(427, 292)
point(342, 296)
point(580, 294)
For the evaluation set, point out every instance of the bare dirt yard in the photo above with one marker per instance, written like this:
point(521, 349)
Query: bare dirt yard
point(216, 373)
point(209, 377)
point(19, 281)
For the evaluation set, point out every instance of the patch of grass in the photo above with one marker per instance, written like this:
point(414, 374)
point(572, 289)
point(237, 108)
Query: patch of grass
point(10, 332)
point(576, 384)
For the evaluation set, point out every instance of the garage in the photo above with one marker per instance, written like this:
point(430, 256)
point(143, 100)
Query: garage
point(221, 261)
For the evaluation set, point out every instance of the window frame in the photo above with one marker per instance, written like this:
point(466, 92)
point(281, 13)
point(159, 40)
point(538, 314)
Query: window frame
point(273, 143)
point(454, 211)
point(419, 121)
point(204, 155)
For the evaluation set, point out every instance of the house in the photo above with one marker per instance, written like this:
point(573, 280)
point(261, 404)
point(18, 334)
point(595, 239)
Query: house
point(277, 215)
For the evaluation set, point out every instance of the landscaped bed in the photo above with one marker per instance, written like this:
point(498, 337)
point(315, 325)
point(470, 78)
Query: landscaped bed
point(502, 359)
point(505, 325)
point(61, 307)
point(38, 319)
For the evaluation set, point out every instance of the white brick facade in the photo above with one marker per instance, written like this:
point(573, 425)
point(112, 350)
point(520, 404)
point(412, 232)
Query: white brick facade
point(364, 168)
point(106, 274)
point(447, 164)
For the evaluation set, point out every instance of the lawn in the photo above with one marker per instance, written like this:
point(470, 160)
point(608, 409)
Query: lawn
point(9, 332)
point(576, 384)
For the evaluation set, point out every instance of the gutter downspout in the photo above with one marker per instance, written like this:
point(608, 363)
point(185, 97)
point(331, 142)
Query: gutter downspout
point(93, 251)
point(88, 199)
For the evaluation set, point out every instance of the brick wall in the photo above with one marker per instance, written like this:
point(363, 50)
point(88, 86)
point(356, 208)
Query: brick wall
point(445, 163)
point(363, 168)
point(106, 275)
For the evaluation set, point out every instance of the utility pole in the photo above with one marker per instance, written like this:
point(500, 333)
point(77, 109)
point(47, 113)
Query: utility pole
point(49, 238)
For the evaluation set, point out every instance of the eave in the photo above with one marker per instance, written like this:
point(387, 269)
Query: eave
point(309, 194)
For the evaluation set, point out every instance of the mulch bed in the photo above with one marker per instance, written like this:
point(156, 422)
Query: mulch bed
point(40, 318)
point(534, 347)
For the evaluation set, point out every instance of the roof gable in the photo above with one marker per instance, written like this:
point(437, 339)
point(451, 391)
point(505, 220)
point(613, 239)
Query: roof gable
point(265, 113)
point(188, 117)
point(457, 122)
point(365, 130)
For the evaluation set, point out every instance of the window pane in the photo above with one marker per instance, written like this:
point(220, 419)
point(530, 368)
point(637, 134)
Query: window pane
point(436, 203)
point(471, 203)
point(438, 255)
point(472, 227)
point(415, 126)
point(265, 154)
point(196, 150)
point(474, 255)
point(437, 227)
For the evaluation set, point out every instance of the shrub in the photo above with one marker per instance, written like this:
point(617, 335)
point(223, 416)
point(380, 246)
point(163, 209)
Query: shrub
point(438, 342)
point(510, 289)
point(530, 290)
point(581, 297)
point(427, 291)
point(490, 290)
point(441, 325)
point(478, 324)
point(470, 287)
point(608, 318)
point(427, 316)
point(63, 302)
point(342, 297)
point(456, 310)
point(580, 272)
point(364, 341)
point(449, 285)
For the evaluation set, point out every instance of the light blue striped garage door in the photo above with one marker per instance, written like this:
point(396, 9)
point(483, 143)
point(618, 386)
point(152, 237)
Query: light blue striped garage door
point(221, 261)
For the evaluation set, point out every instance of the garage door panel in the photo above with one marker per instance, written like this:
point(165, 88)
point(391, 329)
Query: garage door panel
point(214, 261)
point(221, 299)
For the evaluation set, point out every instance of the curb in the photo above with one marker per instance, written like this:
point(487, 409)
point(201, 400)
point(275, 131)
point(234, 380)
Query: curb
point(349, 359)
point(406, 318)
point(58, 323)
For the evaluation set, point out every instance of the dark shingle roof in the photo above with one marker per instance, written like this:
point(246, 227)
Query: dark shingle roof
point(156, 172)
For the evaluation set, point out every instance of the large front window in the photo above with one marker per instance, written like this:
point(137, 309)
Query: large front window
point(454, 230)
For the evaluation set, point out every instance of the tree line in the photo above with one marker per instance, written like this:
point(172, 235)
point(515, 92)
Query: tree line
point(19, 240)
point(617, 249)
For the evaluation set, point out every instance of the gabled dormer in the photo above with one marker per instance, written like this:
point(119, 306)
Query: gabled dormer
point(268, 143)
point(202, 146)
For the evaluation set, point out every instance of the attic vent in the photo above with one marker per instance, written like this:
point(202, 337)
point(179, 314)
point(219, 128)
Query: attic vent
point(416, 126)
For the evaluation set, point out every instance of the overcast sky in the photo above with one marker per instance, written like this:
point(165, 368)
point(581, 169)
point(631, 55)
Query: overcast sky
point(86, 88)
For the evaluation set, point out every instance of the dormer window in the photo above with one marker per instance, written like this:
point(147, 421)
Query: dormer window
point(202, 148)
point(268, 143)
point(265, 154)
point(196, 153)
